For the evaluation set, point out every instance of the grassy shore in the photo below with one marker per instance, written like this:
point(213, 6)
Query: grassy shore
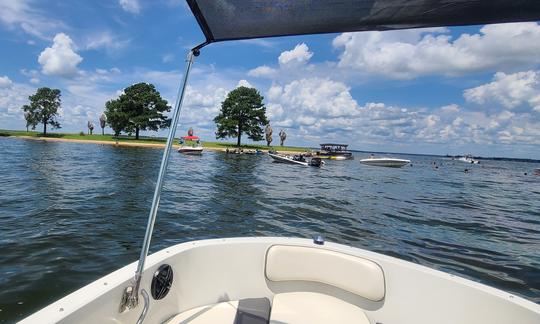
point(142, 141)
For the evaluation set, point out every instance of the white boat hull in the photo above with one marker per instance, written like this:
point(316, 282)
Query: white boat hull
point(222, 270)
point(190, 150)
point(385, 162)
point(468, 160)
point(286, 159)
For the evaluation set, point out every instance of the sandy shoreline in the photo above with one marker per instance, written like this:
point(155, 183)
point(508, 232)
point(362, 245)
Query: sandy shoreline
point(120, 143)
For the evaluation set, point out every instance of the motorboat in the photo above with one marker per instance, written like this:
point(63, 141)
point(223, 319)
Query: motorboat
point(296, 159)
point(316, 162)
point(190, 145)
point(468, 159)
point(286, 280)
point(385, 162)
point(294, 280)
point(334, 152)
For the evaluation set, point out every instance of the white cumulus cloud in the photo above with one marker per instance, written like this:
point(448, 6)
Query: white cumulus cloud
point(244, 83)
point(297, 56)
point(262, 71)
point(60, 59)
point(509, 90)
point(408, 54)
point(5, 82)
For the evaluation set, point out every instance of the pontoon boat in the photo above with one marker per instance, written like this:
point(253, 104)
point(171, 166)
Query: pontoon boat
point(334, 152)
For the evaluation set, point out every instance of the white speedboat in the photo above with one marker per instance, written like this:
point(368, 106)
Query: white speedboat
point(191, 150)
point(288, 280)
point(288, 159)
point(468, 159)
point(385, 162)
point(190, 145)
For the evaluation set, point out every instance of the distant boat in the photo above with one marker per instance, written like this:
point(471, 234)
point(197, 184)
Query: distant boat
point(468, 159)
point(334, 152)
point(385, 162)
point(288, 159)
point(190, 145)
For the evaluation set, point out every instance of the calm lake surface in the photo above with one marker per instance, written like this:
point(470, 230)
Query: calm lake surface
point(71, 213)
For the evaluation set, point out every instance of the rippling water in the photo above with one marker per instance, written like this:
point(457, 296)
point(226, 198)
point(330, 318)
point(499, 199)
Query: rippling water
point(71, 213)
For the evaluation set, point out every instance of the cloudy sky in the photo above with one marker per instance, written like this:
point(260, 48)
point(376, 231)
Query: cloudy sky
point(440, 90)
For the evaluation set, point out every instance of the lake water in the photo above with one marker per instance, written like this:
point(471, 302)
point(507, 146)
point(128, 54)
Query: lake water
point(71, 213)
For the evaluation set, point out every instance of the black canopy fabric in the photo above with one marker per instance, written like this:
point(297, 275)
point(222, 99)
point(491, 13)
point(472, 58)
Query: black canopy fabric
point(243, 19)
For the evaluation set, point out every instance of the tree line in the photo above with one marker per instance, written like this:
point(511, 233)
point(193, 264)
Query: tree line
point(140, 107)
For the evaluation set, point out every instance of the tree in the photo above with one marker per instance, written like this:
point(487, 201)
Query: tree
point(90, 127)
point(282, 136)
point(268, 132)
point(28, 117)
point(116, 118)
point(140, 107)
point(102, 123)
point(242, 112)
point(43, 108)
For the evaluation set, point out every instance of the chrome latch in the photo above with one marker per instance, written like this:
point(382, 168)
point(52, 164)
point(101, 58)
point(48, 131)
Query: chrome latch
point(129, 300)
point(318, 239)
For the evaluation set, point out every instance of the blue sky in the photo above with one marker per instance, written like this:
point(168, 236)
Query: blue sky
point(440, 90)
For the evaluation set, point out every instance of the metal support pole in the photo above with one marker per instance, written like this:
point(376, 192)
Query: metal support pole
point(130, 299)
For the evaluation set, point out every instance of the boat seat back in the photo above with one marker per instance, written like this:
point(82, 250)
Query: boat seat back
point(357, 275)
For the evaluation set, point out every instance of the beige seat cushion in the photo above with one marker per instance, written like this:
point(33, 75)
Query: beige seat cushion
point(217, 313)
point(357, 275)
point(314, 308)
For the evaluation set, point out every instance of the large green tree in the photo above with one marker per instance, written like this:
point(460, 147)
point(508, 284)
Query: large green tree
point(140, 107)
point(116, 118)
point(242, 112)
point(43, 108)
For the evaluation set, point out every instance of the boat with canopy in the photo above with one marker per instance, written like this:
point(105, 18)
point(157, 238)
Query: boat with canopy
point(294, 280)
point(334, 152)
point(190, 145)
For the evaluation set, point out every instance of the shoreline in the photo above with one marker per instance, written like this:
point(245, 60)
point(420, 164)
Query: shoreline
point(127, 144)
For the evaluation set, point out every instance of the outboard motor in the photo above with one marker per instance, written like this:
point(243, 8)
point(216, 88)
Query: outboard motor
point(316, 162)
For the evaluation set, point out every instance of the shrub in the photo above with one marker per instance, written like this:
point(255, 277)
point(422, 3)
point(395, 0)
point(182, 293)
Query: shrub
point(81, 133)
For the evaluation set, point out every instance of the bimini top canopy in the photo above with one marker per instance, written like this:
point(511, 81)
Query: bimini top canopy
point(190, 138)
point(243, 19)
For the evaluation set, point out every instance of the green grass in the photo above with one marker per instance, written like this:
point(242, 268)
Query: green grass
point(143, 140)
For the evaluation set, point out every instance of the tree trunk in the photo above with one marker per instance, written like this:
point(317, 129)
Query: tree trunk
point(44, 127)
point(103, 131)
point(239, 136)
point(136, 133)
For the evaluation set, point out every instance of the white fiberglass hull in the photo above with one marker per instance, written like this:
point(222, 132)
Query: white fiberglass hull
point(319, 280)
point(191, 150)
point(385, 162)
point(286, 159)
point(468, 160)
